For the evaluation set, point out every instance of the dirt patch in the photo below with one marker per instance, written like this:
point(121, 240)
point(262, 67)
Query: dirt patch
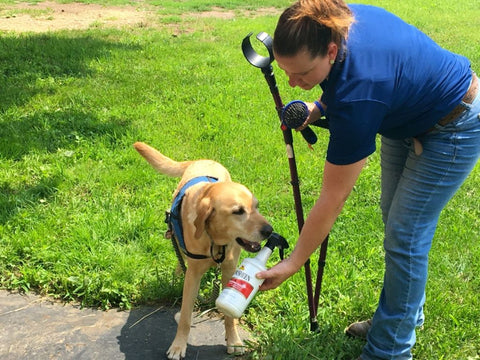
point(51, 16)
point(220, 13)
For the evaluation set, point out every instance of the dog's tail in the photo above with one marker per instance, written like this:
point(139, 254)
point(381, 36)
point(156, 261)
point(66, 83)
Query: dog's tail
point(160, 162)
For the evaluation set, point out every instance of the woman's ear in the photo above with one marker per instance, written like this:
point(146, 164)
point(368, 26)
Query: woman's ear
point(332, 51)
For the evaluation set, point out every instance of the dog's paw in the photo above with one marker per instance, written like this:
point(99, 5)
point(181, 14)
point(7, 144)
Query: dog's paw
point(176, 352)
point(236, 349)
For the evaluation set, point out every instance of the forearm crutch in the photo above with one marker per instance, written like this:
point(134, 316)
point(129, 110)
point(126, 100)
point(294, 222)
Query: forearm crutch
point(265, 65)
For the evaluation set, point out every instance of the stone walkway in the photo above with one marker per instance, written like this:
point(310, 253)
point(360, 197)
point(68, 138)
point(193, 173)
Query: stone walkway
point(32, 327)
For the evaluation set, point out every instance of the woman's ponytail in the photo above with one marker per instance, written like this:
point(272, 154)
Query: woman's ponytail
point(312, 24)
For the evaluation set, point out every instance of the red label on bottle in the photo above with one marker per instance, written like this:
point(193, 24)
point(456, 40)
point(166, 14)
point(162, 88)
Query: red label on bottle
point(244, 287)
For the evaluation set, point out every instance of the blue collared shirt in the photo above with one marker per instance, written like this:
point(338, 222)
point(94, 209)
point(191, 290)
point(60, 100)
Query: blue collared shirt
point(390, 79)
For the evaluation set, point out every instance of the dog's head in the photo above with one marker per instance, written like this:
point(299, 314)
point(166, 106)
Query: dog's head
point(228, 212)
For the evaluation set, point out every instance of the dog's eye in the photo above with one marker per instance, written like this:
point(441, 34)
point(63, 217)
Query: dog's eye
point(239, 211)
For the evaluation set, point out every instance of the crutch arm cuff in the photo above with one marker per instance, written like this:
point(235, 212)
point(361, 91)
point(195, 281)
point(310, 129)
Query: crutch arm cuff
point(320, 107)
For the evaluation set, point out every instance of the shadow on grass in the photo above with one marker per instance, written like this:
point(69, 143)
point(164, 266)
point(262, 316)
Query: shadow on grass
point(27, 59)
point(27, 63)
point(38, 65)
point(48, 131)
point(11, 199)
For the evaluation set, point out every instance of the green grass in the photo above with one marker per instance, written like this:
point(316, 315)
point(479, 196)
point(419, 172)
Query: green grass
point(81, 214)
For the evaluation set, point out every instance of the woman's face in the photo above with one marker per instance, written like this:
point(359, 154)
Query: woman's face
point(303, 70)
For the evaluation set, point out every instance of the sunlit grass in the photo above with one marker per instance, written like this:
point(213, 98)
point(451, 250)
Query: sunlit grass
point(81, 214)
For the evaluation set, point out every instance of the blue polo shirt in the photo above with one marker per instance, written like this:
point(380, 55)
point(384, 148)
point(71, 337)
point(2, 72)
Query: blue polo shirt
point(389, 79)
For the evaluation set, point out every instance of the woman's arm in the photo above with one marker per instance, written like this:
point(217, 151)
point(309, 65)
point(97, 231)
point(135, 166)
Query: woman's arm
point(338, 182)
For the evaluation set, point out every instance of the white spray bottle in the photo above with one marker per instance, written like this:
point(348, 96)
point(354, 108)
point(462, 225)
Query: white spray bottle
point(242, 287)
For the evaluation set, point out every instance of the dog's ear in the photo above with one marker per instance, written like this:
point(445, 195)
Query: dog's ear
point(204, 210)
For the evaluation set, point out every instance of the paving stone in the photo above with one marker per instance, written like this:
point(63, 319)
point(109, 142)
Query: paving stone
point(33, 327)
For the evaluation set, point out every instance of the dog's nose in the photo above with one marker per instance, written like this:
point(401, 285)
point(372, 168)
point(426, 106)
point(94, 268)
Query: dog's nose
point(266, 230)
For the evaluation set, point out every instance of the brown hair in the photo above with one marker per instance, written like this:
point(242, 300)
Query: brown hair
point(312, 25)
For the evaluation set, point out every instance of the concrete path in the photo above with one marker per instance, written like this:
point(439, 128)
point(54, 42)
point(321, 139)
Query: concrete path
point(32, 327)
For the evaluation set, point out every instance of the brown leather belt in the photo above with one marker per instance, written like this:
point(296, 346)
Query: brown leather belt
point(459, 109)
point(470, 95)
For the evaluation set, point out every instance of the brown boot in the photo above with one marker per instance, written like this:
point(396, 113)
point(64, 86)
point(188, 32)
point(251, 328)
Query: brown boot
point(359, 329)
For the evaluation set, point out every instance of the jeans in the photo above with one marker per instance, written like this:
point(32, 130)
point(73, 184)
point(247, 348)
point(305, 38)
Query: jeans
point(415, 189)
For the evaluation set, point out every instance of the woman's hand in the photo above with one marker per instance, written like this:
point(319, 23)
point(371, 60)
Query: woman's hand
point(276, 275)
point(313, 115)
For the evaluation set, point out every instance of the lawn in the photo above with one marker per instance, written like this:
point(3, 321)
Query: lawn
point(81, 213)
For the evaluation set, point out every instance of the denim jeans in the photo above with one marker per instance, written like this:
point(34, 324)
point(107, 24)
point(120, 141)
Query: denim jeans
point(415, 189)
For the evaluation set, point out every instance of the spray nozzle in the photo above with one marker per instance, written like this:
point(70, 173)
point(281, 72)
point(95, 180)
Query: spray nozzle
point(277, 240)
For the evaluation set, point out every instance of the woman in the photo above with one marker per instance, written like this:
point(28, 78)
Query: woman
point(380, 75)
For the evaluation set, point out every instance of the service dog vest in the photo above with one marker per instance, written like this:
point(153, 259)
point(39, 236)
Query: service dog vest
point(174, 219)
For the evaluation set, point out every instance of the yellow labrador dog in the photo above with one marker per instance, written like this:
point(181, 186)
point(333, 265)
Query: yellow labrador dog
point(218, 218)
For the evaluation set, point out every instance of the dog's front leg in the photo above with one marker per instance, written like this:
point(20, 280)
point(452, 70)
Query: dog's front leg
point(234, 342)
point(191, 287)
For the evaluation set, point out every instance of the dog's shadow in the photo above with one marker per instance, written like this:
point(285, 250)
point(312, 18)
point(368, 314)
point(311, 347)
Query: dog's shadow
point(149, 331)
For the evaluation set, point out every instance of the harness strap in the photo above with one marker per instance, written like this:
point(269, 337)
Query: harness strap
point(221, 253)
point(174, 221)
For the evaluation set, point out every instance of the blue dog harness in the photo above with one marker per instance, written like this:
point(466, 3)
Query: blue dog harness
point(174, 221)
